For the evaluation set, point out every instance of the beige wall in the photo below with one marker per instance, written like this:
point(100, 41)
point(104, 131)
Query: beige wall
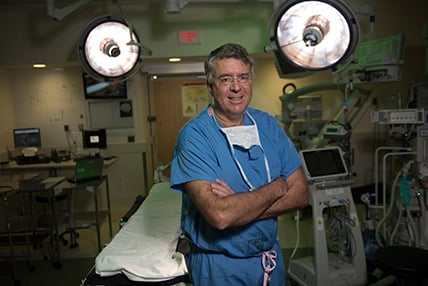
point(7, 115)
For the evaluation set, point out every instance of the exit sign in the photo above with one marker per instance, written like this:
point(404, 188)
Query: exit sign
point(188, 37)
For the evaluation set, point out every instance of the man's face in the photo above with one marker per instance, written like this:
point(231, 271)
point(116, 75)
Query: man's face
point(232, 88)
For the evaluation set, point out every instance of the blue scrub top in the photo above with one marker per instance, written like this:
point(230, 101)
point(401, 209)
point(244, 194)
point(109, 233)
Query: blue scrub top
point(203, 153)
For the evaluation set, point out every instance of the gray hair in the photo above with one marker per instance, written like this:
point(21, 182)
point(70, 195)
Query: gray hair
point(227, 51)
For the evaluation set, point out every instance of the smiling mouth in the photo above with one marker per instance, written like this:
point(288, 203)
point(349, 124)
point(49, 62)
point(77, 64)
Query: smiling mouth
point(236, 97)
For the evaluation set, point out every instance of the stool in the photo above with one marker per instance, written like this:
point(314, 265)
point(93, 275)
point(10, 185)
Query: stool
point(409, 264)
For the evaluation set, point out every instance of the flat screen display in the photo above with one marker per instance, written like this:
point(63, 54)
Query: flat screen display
point(95, 89)
point(95, 139)
point(323, 164)
point(27, 137)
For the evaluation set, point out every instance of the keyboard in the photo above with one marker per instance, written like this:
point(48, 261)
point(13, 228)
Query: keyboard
point(38, 159)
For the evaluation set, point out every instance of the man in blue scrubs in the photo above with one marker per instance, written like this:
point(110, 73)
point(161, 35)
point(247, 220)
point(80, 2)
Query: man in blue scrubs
point(237, 171)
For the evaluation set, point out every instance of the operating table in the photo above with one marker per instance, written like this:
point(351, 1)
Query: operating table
point(148, 249)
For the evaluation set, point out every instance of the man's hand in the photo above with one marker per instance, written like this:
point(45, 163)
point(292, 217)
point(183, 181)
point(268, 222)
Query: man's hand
point(221, 189)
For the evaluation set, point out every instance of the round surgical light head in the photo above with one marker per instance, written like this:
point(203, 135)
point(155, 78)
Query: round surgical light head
point(108, 50)
point(316, 35)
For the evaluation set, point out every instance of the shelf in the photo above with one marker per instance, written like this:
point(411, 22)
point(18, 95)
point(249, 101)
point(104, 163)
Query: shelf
point(85, 220)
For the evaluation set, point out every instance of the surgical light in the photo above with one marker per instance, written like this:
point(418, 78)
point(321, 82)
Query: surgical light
point(109, 50)
point(315, 35)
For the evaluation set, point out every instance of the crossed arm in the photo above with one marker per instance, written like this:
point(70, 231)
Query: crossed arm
point(222, 207)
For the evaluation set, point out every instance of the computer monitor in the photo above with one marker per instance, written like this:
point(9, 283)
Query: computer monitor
point(323, 164)
point(95, 139)
point(27, 137)
point(95, 89)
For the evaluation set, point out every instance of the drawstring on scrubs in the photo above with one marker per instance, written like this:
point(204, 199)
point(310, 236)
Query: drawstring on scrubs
point(269, 264)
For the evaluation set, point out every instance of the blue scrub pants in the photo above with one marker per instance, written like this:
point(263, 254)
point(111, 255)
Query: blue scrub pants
point(212, 269)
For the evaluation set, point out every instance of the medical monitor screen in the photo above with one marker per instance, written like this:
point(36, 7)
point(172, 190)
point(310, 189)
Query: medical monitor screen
point(27, 137)
point(95, 89)
point(95, 139)
point(323, 164)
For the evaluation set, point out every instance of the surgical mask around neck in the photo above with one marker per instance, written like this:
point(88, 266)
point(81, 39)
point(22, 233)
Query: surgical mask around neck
point(245, 136)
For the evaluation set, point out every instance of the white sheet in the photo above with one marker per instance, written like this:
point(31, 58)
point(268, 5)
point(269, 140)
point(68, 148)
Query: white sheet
point(145, 248)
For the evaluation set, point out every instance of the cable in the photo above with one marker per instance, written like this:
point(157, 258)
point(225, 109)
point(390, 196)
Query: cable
point(394, 231)
point(423, 220)
point(340, 238)
point(403, 170)
point(412, 228)
point(297, 238)
point(388, 212)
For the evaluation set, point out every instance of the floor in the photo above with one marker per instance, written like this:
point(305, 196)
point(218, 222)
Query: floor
point(75, 264)
point(71, 274)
